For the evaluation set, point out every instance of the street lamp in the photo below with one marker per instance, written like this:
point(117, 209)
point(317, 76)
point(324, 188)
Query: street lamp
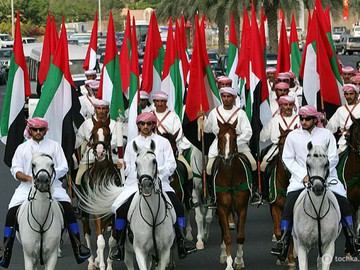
point(12, 19)
point(100, 16)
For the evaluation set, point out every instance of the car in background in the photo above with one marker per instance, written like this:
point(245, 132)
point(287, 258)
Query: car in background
point(3, 74)
point(29, 40)
point(214, 58)
point(355, 31)
point(83, 39)
point(337, 36)
point(6, 41)
point(348, 45)
point(339, 29)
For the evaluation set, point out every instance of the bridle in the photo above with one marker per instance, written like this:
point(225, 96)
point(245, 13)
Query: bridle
point(32, 197)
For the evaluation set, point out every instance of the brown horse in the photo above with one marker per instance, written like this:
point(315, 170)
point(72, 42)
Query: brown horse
point(102, 169)
point(278, 192)
point(232, 191)
point(349, 170)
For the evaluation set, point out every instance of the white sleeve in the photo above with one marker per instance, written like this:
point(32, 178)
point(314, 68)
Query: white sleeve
point(60, 162)
point(334, 122)
point(16, 163)
point(243, 128)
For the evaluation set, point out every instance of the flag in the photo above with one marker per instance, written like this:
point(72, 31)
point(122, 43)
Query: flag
point(258, 109)
point(124, 57)
point(13, 119)
point(90, 59)
point(316, 70)
point(242, 69)
point(295, 56)
point(283, 58)
point(345, 9)
point(200, 95)
point(263, 18)
point(172, 79)
point(110, 82)
point(153, 58)
point(233, 54)
point(182, 52)
point(58, 103)
point(134, 87)
point(51, 39)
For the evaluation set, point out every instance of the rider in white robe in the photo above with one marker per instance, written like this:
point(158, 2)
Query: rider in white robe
point(166, 166)
point(22, 172)
point(294, 157)
point(341, 119)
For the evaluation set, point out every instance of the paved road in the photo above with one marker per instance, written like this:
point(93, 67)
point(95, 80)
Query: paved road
point(256, 249)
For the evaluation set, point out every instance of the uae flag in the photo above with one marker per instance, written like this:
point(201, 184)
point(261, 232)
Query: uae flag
point(134, 87)
point(51, 40)
point(13, 119)
point(319, 82)
point(110, 84)
point(200, 95)
point(232, 60)
point(58, 103)
point(125, 56)
point(295, 56)
point(90, 59)
point(283, 58)
point(153, 58)
point(181, 43)
point(258, 109)
point(172, 80)
point(242, 69)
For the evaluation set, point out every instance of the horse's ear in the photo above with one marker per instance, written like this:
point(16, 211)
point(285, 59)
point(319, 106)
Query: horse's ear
point(135, 147)
point(309, 146)
point(152, 146)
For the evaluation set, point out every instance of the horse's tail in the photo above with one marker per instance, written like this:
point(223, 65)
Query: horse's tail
point(99, 199)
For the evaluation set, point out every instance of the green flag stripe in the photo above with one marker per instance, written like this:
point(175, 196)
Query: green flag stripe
point(159, 61)
point(117, 102)
point(231, 57)
point(51, 84)
point(177, 82)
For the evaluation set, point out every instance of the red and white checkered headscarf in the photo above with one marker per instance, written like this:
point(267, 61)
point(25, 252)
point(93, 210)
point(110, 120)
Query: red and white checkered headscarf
point(36, 122)
point(309, 110)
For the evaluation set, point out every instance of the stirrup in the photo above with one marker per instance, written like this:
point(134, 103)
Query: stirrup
point(117, 253)
point(277, 248)
point(82, 255)
point(256, 199)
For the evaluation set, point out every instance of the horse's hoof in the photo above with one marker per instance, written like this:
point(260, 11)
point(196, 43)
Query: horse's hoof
point(291, 266)
point(239, 263)
point(348, 256)
point(200, 245)
point(278, 262)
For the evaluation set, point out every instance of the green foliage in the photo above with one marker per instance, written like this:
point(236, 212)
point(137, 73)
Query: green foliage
point(143, 4)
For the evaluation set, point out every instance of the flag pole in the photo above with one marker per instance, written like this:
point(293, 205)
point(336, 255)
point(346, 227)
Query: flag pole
point(119, 143)
point(203, 172)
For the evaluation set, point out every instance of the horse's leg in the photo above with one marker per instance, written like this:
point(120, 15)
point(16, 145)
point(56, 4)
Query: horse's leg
point(208, 219)
point(188, 225)
point(276, 213)
point(358, 222)
point(325, 261)
point(87, 235)
point(223, 211)
point(199, 217)
point(112, 243)
point(141, 259)
point(51, 261)
point(302, 257)
point(241, 209)
point(100, 242)
point(129, 255)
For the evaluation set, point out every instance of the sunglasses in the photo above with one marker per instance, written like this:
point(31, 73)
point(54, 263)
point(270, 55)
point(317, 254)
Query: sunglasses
point(38, 129)
point(147, 123)
point(308, 118)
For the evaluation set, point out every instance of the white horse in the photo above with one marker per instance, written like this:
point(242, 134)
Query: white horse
point(40, 218)
point(203, 216)
point(150, 216)
point(316, 213)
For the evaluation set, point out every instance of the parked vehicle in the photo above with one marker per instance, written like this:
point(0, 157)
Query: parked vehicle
point(348, 45)
point(6, 41)
point(28, 40)
point(5, 56)
point(3, 74)
point(337, 36)
point(355, 31)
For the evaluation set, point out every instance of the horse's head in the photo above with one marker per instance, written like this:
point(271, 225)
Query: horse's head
point(227, 145)
point(101, 139)
point(146, 167)
point(172, 139)
point(317, 164)
point(353, 136)
point(43, 171)
point(282, 138)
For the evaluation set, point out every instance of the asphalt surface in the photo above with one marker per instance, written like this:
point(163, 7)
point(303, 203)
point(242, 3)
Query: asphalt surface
point(258, 233)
